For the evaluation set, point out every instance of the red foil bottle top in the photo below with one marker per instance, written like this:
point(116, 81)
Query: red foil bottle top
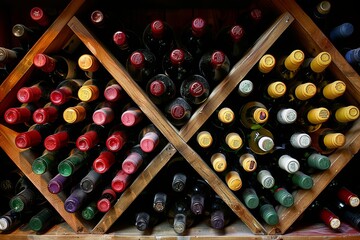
point(103, 162)
point(256, 15)
point(113, 92)
point(149, 142)
point(329, 218)
point(103, 116)
point(157, 88)
point(120, 181)
point(38, 15)
point(177, 111)
point(46, 63)
point(116, 141)
point(348, 197)
point(105, 204)
point(120, 38)
point(137, 59)
point(17, 115)
point(157, 28)
point(132, 162)
point(177, 56)
point(29, 94)
point(198, 26)
point(237, 32)
point(45, 115)
point(61, 95)
point(56, 141)
point(131, 117)
point(197, 89)
point(87, 140)
point(217, 58)
point(28, 139)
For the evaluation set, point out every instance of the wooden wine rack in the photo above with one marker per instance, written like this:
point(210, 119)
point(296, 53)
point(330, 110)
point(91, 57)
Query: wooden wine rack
point(290, 16)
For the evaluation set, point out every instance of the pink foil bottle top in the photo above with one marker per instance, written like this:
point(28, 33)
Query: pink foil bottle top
point(157, 88)
point(137, 59)
point(56, 141)
point(198, 26)
point(44, 62)
point(103, 162)
point(113, 93)
point(38, 15)
point(132, 163)
point(104, 204)
point(237, 32)
point(29, 94)
point(103, 116)
point(131, 116)
point(149, 142)
point(217, 58)
point(28, 139)
point(120, 181)
point(87, 140)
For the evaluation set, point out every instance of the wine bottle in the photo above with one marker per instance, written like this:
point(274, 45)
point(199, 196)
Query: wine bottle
point(38, 92)
point(200, 193)
point(44, 219)
point(327, 140)
point(285, 160)
point(178, 64)
point(219, 213)
point(41, 17)
point(233, 139)
point(248, 161)
point(318, 210)
point(313, 68)
point(281, 117)
point(346, 214)
point(91, 135)
point(253, 115)
point(27, 199)
point(260, 141)
point(271, 93)
point(21, 115)
point(267, 212)
point(328, 91)
point(179, 173)
point(233, 178)
point(74, 161)
point(105, 112)
point(25, 35)
point(11, 220)
point(91, 181)
point(195, 89)
point(341, 192)
point(253, 21)
point(161, 89)
point(64, 135)
point(113, 92)
point(299, 93)
point(121, 180)
point(249, 195)
point(223, 117)
point(311, 118)
point(281, 195)
point(142, 65)
point(104, 161)
point(214, 66)
point(178, 111)
point(34, 136)
point(245, 88)
point(91, 90)
point(311, 161)
point(59, 67)
point(135, 159)
point(90, 211)
point(233, 41)
point(10, 57)
point(48, 161)
point(180, 216)
point(197, 38)
point(106, 199)
point(287, 67)
point(76, 200)
point(320, 15)
point(263, 70)
point(132, 115)
point(49, 113)
point(150, 137)
point(158, 36)
point(78, 113)
point(218, 161)
point(126, 42)
point(352, 56)
point(342, 116)
point(340, 33)
point(65, 91)
point(119, 135)
point(92, 67)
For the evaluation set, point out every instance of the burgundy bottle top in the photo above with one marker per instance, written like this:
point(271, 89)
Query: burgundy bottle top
point(157, 28)
point(87, 140)
point(217, 58)
point(137, 59)
point(45, 115)
point(198, 26)
point(116, 141)
point(44, 62)
point(29, 94)
point(113, 92)
point(103, 162)
point(97, 17)
point(177, 56)
point(196, 89)
point(237, 32)
point(37, 14)
point(56, 141)
point(256, 15)
point(120, 38)
point(177, 111)
point(17, 115)
point(28, 139)
point(61, 95)
point(104, 204)
point(157, 88)
point(120, 181)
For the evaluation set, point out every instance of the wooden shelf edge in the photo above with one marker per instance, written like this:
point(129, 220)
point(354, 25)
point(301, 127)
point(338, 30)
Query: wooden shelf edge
point(7, 143)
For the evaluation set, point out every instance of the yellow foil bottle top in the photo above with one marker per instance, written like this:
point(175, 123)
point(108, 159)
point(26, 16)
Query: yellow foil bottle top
point(218, 161)
point(234, 141)
point(88, 63)
point(233, 180)
point(204, 139)
point(74, 114)
point(318, 115)
point(320, 62)
point(88, 93)
point(294, 60)
point(261, 115)
point(226, 115)
point(276, 89)
point(305, 91)
point(266, 63)
point(347, 114)
point(334, 140)
point(334, 89)
point(248, 162)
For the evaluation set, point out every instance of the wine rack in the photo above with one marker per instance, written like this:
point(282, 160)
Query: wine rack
point(289, 18)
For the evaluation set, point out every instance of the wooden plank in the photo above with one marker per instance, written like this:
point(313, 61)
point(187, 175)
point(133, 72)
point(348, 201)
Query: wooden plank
point(7, 143)
point(53, 39)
